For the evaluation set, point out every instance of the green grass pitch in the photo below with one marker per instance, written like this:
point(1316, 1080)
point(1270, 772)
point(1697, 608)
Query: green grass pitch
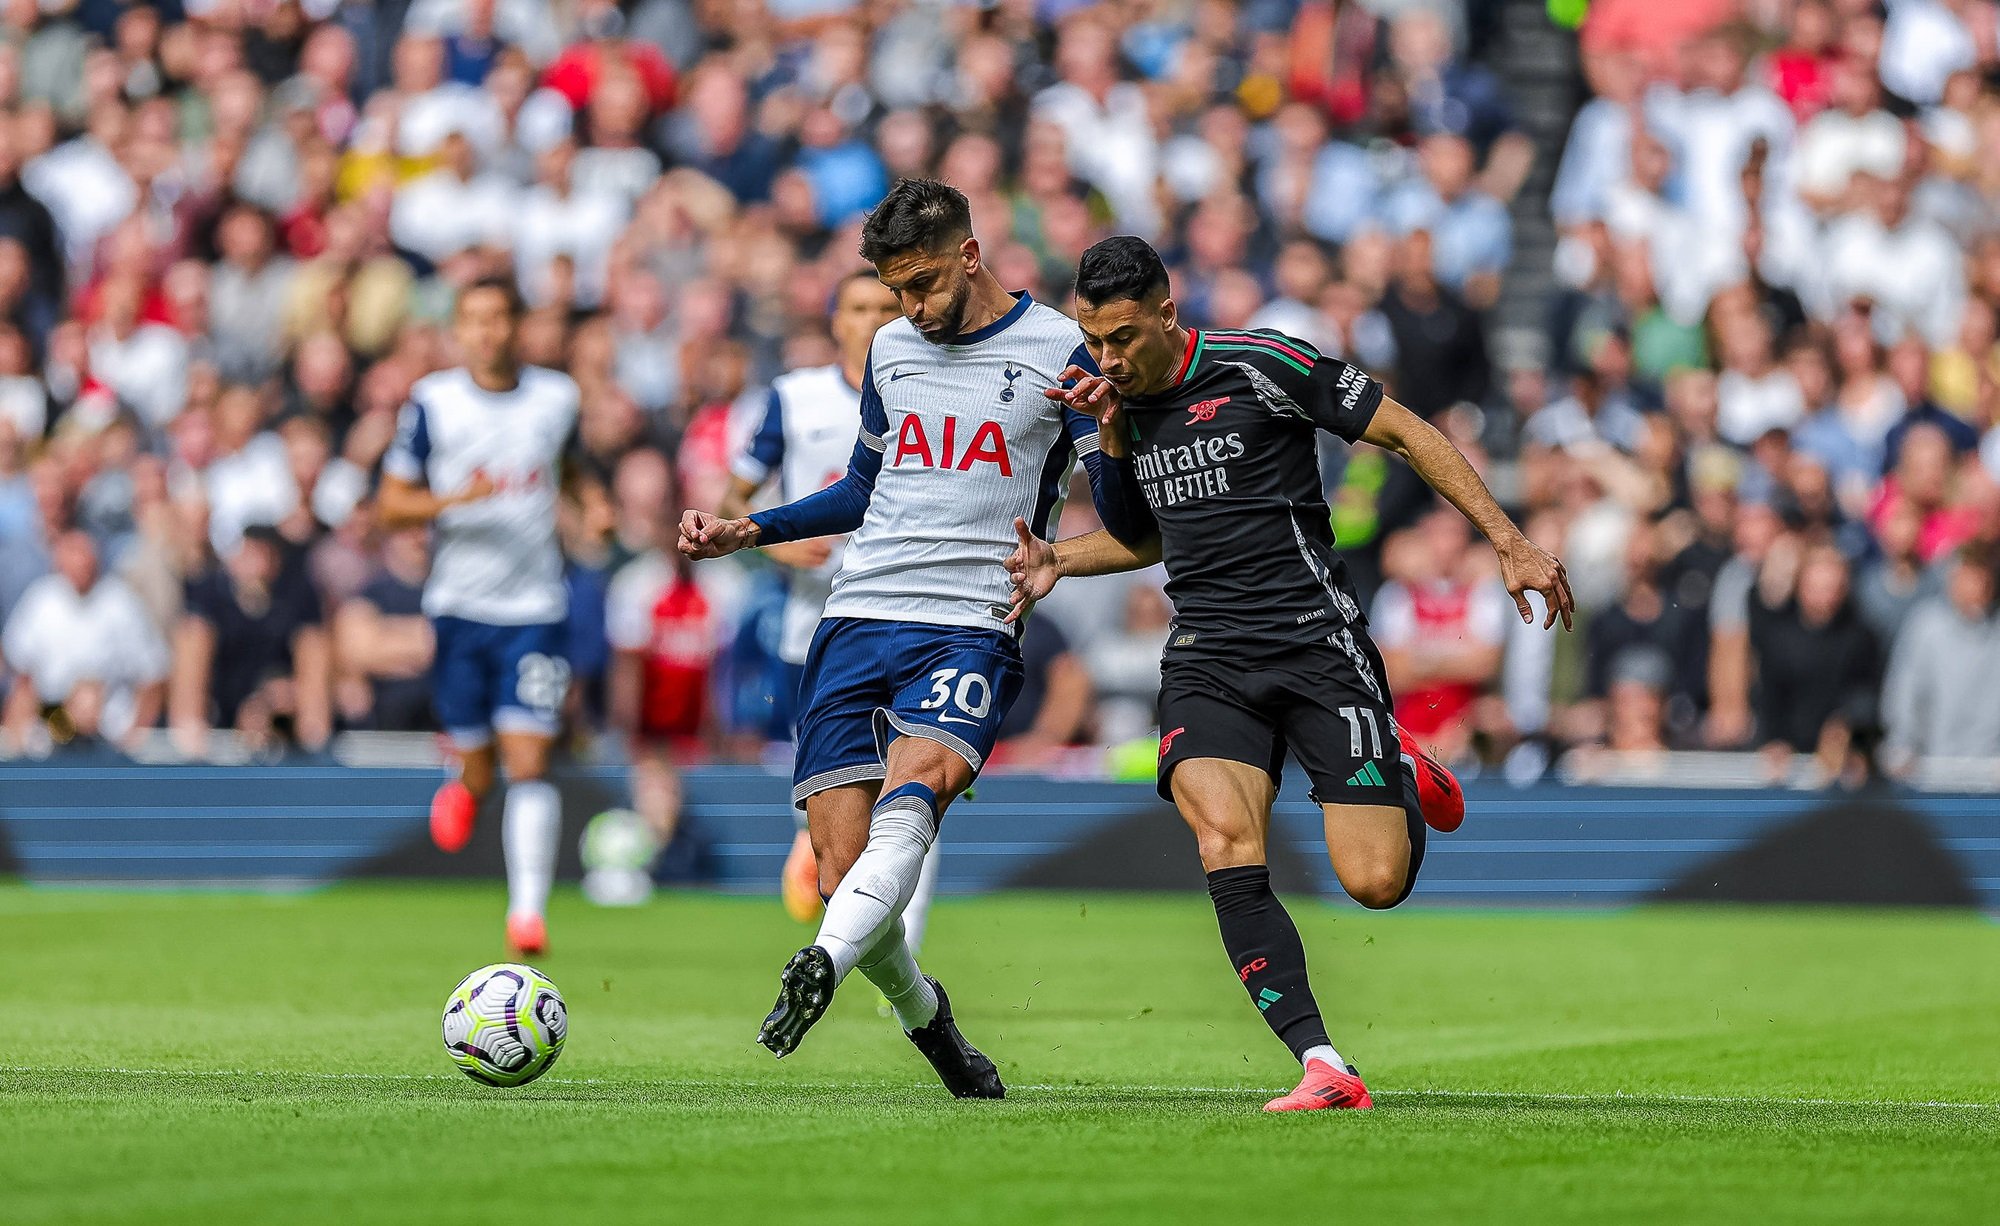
point(226, 1058)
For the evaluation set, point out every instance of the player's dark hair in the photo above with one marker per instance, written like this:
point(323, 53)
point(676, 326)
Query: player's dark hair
point(916, 215)
point(505, 287)
point(1121, 268)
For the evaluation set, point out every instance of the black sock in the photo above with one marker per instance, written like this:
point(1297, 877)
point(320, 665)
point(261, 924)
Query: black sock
point(1413, 818)
point(1267, 954)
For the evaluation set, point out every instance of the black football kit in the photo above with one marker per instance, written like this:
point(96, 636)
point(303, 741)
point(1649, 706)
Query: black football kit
point(1269, 648)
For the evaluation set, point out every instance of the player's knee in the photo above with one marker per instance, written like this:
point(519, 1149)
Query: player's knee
point(1225, 845)
point(524, 763)
point(1375, 886)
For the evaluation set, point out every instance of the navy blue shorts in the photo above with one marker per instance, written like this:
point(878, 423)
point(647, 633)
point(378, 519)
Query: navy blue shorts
point(489, 678)
point(868, 682)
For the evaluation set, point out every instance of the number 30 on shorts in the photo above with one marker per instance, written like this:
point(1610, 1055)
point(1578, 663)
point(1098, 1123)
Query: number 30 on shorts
point(541, 682)
point(973, 694)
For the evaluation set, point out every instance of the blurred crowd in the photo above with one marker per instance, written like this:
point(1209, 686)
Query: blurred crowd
point(1761, 428)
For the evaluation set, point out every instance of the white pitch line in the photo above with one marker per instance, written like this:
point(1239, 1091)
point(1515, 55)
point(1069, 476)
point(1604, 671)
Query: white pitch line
point(1106, 1087)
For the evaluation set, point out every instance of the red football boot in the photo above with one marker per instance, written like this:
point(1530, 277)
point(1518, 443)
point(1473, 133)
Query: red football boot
point(527, 935)
point(1438, 793)
point(799, 886)
point(452, 811)
point(1325, 1087)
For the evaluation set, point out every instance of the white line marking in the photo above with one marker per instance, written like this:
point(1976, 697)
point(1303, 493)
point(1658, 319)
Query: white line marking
point(1088, 1088)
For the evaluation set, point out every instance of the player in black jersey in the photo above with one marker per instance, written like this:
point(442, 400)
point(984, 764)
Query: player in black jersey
point(1269, 649)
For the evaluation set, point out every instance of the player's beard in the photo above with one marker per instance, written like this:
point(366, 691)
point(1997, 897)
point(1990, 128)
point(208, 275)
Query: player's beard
point(952, 320)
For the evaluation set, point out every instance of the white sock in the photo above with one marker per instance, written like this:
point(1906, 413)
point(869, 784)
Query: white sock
point(1323, 1051)
point(918, 913)
point(879, 886)
point(892, 968)
point(529, 827)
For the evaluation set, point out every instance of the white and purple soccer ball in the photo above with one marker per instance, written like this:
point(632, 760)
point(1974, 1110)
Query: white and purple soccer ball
point(504, 1024)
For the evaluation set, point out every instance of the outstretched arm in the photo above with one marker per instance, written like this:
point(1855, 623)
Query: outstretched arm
point(837, 509)
point(1524, 566)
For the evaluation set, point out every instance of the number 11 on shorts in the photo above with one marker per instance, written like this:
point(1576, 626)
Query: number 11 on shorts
point(1355, 717)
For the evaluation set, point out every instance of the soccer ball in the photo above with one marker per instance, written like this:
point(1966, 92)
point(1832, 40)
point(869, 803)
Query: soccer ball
point(504, 1024)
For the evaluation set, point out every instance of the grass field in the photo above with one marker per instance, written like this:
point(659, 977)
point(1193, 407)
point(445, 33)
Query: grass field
point(229, 1058)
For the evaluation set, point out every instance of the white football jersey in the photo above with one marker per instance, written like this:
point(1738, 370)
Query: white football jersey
point(960, 440)
point(807, 433)
point(496, 560)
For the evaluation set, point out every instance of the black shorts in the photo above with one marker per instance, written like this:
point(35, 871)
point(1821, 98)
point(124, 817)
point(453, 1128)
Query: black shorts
point(1327, 702)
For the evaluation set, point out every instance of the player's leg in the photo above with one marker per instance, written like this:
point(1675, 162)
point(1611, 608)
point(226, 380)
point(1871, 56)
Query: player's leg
point(533, 683)
point(866, 890)
point(837, 773)
point(839, 820)
point(530, 833)
point(1220, 761)
point(460, 695)
point(656, 788)
point(924, 776)
point(1336, 718)
point(1228, 806)
point(954, 689)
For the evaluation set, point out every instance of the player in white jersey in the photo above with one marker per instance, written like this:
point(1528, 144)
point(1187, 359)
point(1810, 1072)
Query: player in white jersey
point(809, 426)
point(479, 455)
point(915, 664)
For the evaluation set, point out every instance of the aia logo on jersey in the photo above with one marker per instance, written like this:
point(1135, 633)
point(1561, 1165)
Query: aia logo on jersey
point(986, 446)
point(1204, 410)
point(1007, 392)
point(512, 482)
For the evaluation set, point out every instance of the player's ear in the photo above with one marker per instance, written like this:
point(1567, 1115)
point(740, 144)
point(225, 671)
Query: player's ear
point(1169, 312)
point(968, 252)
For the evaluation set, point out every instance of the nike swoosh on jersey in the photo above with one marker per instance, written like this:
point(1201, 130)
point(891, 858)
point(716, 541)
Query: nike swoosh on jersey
point(903, 374)
point(956, 719)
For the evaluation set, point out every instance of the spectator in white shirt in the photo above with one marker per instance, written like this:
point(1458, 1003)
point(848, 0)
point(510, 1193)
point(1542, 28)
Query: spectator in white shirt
point(1908, 268)
point(250, 481)
point(144, 364)
point(86, 659)
point(1925, 41)
point(434, 108)
point(556, 218)
point(453, 208)
point(83, 184)
point(1754, 394)
point(1107, 123)
point(1596, 154)
point(1853, 136)
point(1715, 124)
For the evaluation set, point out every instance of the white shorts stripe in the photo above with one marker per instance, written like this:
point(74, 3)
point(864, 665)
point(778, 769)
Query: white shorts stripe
point(957, 745)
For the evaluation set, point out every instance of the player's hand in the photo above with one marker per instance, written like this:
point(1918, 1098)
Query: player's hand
point(1033, 568)
point(802, 555)
point(1098, 397)
point(480, 487)
point(1527, 567)
point(710, 536)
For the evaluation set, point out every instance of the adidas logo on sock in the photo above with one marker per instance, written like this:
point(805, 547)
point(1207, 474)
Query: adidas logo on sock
point(1366, 777)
